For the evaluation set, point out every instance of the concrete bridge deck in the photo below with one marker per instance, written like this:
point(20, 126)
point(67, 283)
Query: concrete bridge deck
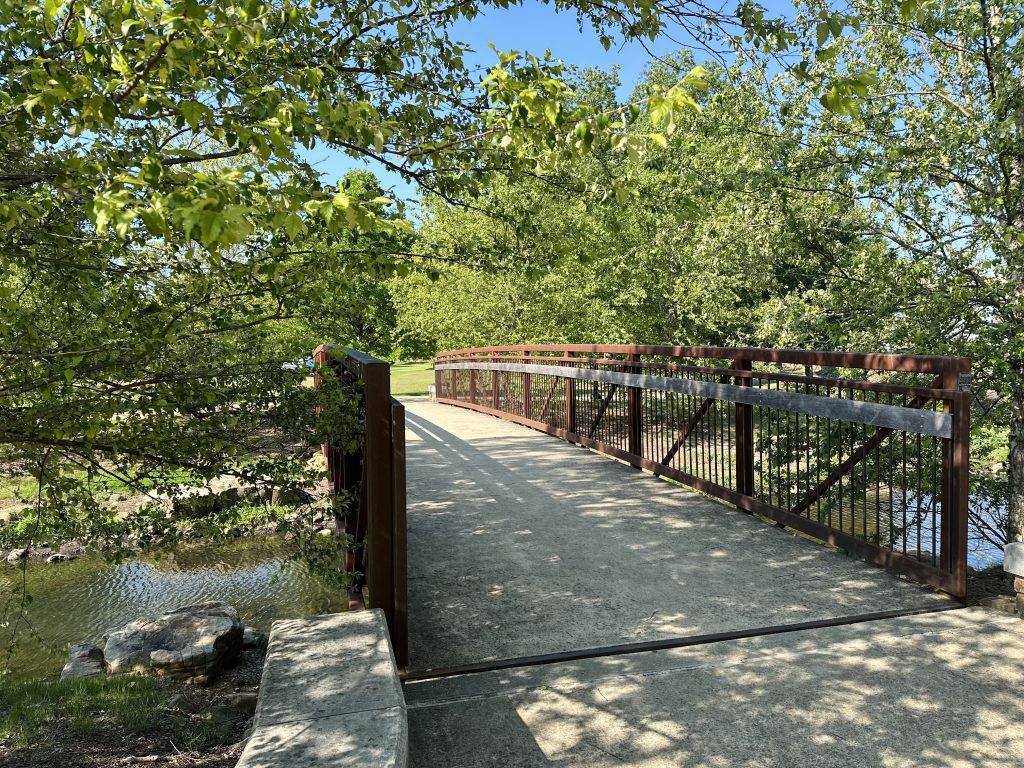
point(521, 544)
point(940, 690)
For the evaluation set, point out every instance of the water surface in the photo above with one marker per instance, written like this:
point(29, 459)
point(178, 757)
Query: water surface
point(79, 600)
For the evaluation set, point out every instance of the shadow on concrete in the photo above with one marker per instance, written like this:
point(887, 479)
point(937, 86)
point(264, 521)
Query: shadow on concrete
point(521, 544)
point(329, 695)
point(940, 690)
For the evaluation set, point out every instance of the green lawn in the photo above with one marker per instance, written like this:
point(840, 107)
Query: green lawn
point(17, 487)
point(99, 715)
point(411, 378)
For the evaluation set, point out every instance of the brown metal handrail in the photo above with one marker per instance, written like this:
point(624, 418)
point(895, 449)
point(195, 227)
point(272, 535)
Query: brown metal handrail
point(375, 475)
point(874, 462)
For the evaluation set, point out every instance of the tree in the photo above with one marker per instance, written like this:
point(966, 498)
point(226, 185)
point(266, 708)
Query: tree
point(347, 303)
point(155, 207)
point(930, 154)
point(697, 248)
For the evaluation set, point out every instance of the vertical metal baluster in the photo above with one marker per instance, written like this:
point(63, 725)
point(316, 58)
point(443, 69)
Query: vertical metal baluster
point(903, 484)
point(878, 488)
point(770, 469)
point(867, 480)
point(828, 459)
point(788, 454)
point(934, 498)
point(892, 474)
point(839, 463)
point(715, 459)
point(918, 514)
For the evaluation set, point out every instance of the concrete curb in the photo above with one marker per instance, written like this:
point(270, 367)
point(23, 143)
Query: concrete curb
point(330, 696)
point(1013, 558)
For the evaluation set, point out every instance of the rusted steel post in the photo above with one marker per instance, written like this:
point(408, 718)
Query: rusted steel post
point(744, 437)
point(570, 401)
point(956, 451)
point(495, 396)
point(960, 490)
point(400, 628)
point(379, 488)
point(370, 484)
point(321, 357)
point(948, 380)
point(345, 471)
point(527, 394)
point(634, 411)
point(472, 386)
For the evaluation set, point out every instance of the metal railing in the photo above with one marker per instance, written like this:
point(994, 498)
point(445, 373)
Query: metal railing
point(865, 452)
point(373, 477)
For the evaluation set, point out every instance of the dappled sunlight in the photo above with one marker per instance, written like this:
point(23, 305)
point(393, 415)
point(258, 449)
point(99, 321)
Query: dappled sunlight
point(886, 694)
point(673, 624)
point(522, 544)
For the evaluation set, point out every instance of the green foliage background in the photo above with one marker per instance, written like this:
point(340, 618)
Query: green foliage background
point(849, 179)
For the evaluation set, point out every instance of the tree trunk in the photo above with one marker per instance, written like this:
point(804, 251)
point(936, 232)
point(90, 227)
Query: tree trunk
point(1015, 468)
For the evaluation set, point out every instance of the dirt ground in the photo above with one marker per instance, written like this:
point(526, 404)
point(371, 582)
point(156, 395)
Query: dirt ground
point(200, 715)
point(990, 582)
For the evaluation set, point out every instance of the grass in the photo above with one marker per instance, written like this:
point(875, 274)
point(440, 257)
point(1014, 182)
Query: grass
point(54, 713)
point(25, 487)
point(411, 378)
point(17, 487)
point(30, 711)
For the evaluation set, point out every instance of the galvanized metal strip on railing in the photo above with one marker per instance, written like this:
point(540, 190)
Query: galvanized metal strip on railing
point(896, 417)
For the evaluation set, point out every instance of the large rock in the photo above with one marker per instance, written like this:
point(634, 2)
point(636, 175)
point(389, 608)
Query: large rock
point(191, 644)
point(290, 497)
point(218, 494)
point(17, 555)
point(12, 514)
point(253, 638)
point(1013, 558)
point(85, 660)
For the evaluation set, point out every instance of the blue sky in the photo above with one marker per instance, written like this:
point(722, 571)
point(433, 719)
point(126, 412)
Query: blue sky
point(534, 27)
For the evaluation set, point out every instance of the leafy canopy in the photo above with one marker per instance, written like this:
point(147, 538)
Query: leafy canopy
point(159, 218)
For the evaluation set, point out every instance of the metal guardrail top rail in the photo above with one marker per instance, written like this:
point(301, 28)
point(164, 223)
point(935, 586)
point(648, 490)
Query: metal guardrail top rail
point(874, 462)
point(935, 364)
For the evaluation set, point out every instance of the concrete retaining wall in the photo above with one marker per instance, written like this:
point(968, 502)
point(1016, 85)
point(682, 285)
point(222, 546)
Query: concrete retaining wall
point(330, 697)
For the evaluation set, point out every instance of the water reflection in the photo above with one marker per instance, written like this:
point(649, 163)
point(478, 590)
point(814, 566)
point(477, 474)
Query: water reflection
point(81, 599)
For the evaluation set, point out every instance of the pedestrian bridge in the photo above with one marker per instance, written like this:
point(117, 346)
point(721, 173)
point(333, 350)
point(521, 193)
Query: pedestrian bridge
point(522, 545)
point(558, 593)
point(545, 505)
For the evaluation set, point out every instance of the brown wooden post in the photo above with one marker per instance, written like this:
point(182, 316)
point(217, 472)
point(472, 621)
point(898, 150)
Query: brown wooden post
point(744, 437)
point(527, 394)
point(379, 489)
point(472, 385)
point(634, 411)
point(438, 382)
point(495, 397)
point(570, 401)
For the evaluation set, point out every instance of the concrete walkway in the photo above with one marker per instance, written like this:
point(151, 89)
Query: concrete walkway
point(936, 690)
point(521, 544)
